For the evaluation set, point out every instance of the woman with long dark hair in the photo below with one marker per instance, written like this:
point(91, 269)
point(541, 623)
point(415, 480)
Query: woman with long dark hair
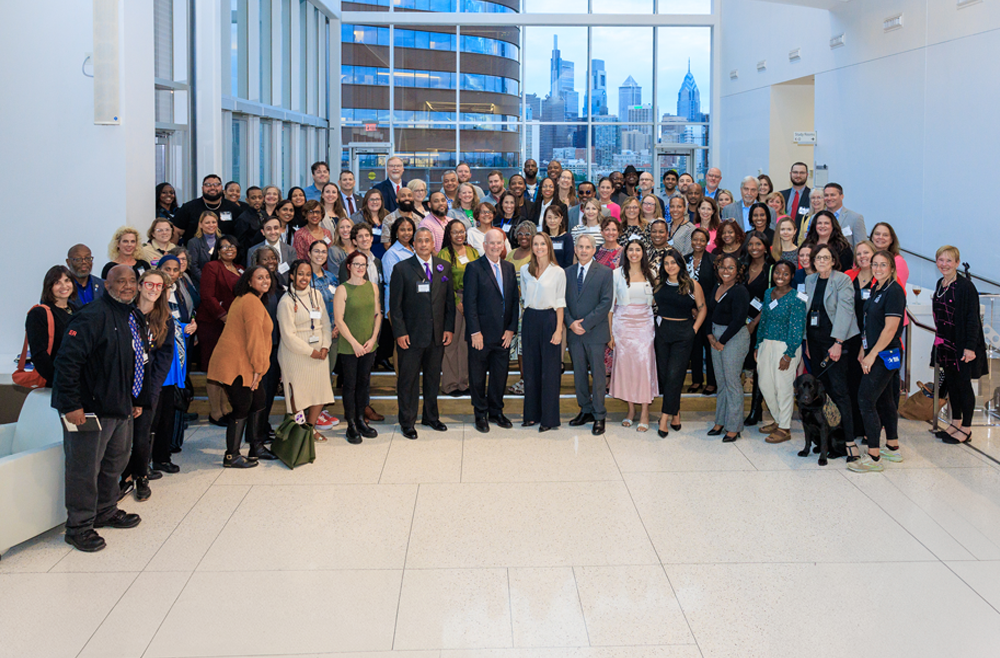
point(298, 198)
point(455, 364)
point(58, 291)
point(825, 230)
point(758, 262)
point(701, 268)
point(543, 294)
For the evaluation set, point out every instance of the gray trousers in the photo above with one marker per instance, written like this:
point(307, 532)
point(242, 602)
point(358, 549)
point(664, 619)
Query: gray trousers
point(94, 462)
point(728, 366)
point(589, 356)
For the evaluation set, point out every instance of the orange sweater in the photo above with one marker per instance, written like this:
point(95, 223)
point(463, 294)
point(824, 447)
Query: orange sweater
point(245, 345)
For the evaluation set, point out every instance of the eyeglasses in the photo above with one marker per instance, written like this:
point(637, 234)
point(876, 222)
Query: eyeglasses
point(149, 285)
point(314, 212)
point(359, 263)
point(87, 259)
point(822, 259)
point(227, 247)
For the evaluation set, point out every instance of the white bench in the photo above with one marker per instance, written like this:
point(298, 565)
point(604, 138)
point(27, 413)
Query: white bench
point(32, 472)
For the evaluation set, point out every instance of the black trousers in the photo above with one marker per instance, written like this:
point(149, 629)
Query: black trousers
point(94, 462)
point(673, 342)
point(411, 362)
point(958, 388)
point(854, 375)
point(493, 359)
point(163, 424)
point(878, 397)
point(357, 374)
point(700, 354)
point(243, 400)
point(834, 379)
point(386, 341)
point(270, 383)
point(541, 360)
point(142, 443)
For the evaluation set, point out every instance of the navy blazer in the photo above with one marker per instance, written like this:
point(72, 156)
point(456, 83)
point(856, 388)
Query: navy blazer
point(388, 191)
point(803, 209)
point(486, 310)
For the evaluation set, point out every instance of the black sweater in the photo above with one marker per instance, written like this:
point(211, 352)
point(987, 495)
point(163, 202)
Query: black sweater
point(36, 328)
point(968, 326)
point(731, 310)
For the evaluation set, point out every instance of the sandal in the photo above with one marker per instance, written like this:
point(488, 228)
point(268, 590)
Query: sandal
point(626, 422)
point(319, 438)
point(642, 427)
point(952, 440)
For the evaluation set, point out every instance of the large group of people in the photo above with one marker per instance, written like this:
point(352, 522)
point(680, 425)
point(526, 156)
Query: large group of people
point(447, 285)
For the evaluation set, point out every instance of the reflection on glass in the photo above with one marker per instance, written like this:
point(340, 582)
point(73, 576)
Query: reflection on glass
point(623, 7)
point(683, 6)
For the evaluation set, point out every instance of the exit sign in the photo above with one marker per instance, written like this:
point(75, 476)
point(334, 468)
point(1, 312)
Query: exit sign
point(371, 127)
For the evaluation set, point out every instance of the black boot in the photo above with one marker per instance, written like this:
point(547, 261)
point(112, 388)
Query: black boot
point(234, 435)
point(256, 439)
point(352, 432)
point(756, 403)
point(364, 428)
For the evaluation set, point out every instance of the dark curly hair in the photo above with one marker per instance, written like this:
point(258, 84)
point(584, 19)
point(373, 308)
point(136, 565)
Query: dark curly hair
point(740, 266)
point(740, 235)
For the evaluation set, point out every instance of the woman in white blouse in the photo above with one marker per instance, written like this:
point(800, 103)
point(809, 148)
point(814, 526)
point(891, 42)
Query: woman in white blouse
point(543, 291)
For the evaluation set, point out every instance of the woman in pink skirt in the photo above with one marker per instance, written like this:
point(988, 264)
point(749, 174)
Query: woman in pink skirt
point(633, 374)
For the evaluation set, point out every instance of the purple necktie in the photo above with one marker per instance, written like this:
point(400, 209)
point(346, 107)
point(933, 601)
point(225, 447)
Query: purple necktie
point(427, 269)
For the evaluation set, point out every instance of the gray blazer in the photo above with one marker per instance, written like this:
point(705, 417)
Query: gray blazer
point(735, 211)
point(287, 255)
point(839, 302)
point(855, 223)
point(592, 304)
point(573, 217)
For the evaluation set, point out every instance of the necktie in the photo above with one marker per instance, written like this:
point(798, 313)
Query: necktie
point(579, 280)
point(499, 278)
point(133, 326)
point(427, 270)
point(350, 202)
point(793, 210)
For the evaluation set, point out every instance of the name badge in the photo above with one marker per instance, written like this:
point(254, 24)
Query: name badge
point(377, 230)
point(864, 342)
point(756, 303)
point(846, 230)
point(773, 305)
point(423, 287)
point(464, 260)
point(802, 288)
point(558, 246)
point(225, 216)
point(315, 315)
point(866, 293)
point(283, 267)
point(332, 288)
point(313, 339)
point(802, 295)
point(327, 240)
point(814, 319)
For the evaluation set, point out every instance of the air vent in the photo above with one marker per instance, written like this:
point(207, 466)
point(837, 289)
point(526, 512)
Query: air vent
point(735, 73)
point(762, 65)
point(795, 55)
point(838, 41)
point(892, 23)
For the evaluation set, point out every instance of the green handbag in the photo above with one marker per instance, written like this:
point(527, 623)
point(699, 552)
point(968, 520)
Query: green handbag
point(294, 444)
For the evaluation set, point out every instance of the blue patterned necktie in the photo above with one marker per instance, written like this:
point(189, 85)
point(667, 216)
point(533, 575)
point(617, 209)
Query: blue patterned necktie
point(133, 326)
point(499, 278)
point(579, 279)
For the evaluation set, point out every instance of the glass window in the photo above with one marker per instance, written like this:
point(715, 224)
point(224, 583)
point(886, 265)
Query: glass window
point(265, 153)
point(286, 54)
point(683, 6)
point(304, 63)
point(560, 96)
point(418, 93)
point(234, 48)
point(565, 7)
point(422, 40)
point(265, 52)
point(624, 7)
point(286, 155)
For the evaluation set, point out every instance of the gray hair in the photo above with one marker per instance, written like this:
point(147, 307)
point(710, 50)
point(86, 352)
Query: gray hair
point(749, 179)
point(422, 229)
point(588, 237)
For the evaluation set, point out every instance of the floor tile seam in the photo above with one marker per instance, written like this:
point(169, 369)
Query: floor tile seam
point(951, 509)
point(510, 607)
point(222, 529)
point(385, 460)
point(404, 652)
point(808, 562)
point(747, 457)
point(579, 599)
point(975, 591)
point(110, 610)
point(402, 575)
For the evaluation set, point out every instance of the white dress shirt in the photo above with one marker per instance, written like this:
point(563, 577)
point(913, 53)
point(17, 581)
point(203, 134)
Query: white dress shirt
point(547, 291)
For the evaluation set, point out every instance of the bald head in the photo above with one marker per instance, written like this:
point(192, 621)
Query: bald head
point(493, 244)
point(121, 284)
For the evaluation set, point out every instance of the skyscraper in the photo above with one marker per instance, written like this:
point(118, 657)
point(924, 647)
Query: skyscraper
point(561, 81)
point(598, 88)
point(689, 98)
point(629, 95)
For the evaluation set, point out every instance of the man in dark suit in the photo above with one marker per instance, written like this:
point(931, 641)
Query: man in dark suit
point(350, 198)
point(392, 183)
point(589, 295)
point(491, 312)
point(740, 210)
point(797, 196)
point(422, 308)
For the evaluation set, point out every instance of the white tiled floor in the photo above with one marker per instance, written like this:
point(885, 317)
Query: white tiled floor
point(521, 545)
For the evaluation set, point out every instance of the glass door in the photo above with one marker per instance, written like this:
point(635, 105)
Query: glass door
point(368, 162)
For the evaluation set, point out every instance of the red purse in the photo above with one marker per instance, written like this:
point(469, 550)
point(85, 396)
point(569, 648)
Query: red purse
point(31, 378)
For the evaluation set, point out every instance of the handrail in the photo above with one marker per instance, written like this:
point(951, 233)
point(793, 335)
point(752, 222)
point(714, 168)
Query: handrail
point(920, 324)
point(931, 260)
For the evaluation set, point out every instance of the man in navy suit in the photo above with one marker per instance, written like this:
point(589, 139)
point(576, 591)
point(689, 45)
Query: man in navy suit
point(391, 185)
point(490, 300)
point(797, 196)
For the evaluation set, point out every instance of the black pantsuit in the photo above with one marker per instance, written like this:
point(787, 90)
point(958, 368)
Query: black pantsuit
point(542, 373)
point(142, 444)
point(957, 385)
point(270, 383)
point(411, 362)
point(673, 342)
point(357, 374)
point(94, 461)
point(878, 398)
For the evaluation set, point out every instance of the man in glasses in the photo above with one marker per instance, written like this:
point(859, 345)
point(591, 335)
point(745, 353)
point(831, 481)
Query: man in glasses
point(211, 199)
point(80, 262)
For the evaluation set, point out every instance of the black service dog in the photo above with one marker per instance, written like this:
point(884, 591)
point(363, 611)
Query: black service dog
point(822, 427)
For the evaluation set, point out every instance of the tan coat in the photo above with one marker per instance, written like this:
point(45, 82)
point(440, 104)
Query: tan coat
point(245, 345)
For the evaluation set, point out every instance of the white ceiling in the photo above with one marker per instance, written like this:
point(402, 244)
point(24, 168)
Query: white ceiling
point(818, 4)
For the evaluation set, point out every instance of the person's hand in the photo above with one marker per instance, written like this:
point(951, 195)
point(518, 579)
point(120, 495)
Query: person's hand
point(835, 351)
point(369, 346)
point(460, 308)
point(611, 343)
point(325, 352)
point(577, 327)
point(868, 362)
point(317, 354)
point(136, 412)
point(784, 363)
point(557, 337)
point(191, 328)
point(225, 316)
point(336, 331)
point(77, 417)
point(359, 349)
point(256, 381)
point(448, 335)
point(968, 356)
point(477, 340)
point(755, 357)
point(403, 342)
point(507, 337)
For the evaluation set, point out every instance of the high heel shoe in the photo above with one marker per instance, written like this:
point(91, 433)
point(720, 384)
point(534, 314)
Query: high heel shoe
point(662, 433)
point(676, 428)
point(950, 440)
point(730, 439)
point(715, 431)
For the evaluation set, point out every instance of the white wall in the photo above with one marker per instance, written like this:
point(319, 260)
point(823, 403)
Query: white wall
point(63, 179)
point(899, 115)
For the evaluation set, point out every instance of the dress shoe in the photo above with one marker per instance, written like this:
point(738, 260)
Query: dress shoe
point(124, 488)
point(221, 422)
point(142, 490)
point(258, 451)
point(87, 541)
point(501, 421)
point(384, 365)
point(238, 461)
point(598, 428)
point(730, 439)
point(676, 428)
point(715, 431)
point(353, 436)
point(174, 450)
point(482, 425)
point(120, 519)
point(190, 417)
point(154, 475)
point(544, 428)
point(435, 425)
point(408, 432)
point(529, 423)
point(663, 433)
point(364, 429)
point(373, 416)
point(582, 419)
point(457, 393)
point(166, 467)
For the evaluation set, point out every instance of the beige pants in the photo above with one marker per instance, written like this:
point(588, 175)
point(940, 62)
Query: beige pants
point(455, 365)
point(775, 384)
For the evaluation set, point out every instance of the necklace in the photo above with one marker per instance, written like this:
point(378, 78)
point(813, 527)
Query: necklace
point(215, 207)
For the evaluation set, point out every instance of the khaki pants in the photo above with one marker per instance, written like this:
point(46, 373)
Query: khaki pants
point(775, 384)
point(455, 365)
point(218, 401)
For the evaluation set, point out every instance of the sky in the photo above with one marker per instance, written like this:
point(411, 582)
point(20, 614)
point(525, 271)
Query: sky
point(626, 51)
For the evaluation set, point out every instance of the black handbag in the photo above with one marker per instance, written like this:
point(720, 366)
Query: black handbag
point(183, 398)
